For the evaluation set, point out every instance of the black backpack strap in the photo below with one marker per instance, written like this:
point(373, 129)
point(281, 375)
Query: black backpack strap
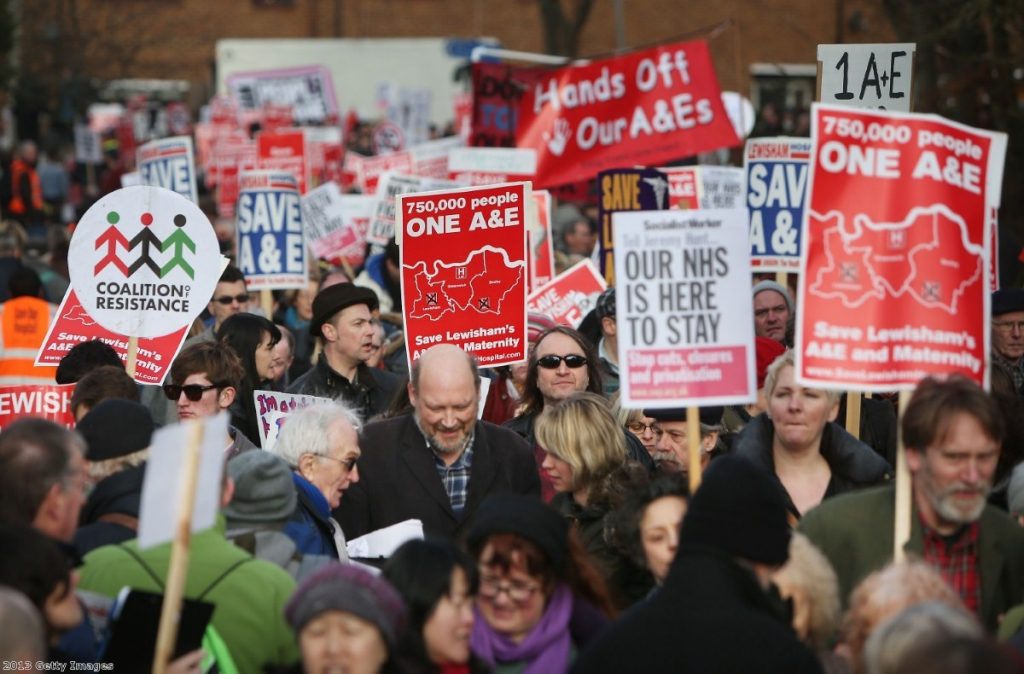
point(221, 577)
point(142, 563)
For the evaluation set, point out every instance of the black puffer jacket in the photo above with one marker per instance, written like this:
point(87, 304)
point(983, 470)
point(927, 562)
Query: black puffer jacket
point(110, 514)
point(854, 465)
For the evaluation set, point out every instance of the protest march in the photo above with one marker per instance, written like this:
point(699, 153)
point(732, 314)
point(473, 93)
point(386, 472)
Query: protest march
point(568, 362)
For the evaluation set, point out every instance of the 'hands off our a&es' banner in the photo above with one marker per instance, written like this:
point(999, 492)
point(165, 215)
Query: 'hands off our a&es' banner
point(271, 247)
point(645, 108)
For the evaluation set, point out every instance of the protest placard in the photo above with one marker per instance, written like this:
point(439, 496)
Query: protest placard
point(336, 223)
point(88, 148)
point(867, 75)
point(539, 246)
point(642, 108)
point(626, 190)
point(684, 314)
point(382, 226)
point(73, 325)
point(284, 150)
point(430, 158)
point(41, 401)
point(463, 256)
point(307, 90)
point(776, 170)
point(169, 163)
point(144, 261)
point(325, 151)
point(272, 408)
point(570, 296)
point(370, 170)
point(490, 165)
point(271, 245)
point(722, 187)
point(497, 90)
point(893, 275)
point(684, 188)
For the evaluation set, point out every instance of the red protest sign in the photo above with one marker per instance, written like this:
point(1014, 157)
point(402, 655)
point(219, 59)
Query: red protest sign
point(540, 249)
point(645, 108)
point(893, 276)
point(570, 295)
point(464, 271)
point(284, 151)
point(45, 401)
point(73, 325)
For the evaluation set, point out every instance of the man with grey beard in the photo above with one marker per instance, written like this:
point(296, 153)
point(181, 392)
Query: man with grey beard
point(952, 431)
point(439, 463)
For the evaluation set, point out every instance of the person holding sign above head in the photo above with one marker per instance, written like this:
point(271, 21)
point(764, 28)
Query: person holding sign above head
point(773, 310)
point(439, 463)
point(952, 432)
point(320, 445)
point(204, 382)
point(343, 319)
point(796, 440)
point(1008, 334)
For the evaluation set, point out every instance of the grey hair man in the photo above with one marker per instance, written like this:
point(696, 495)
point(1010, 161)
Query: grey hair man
point(320, 444)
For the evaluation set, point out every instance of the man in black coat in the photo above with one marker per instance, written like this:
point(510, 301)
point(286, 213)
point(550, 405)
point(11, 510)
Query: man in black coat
point(714, 613)
point(439, 463)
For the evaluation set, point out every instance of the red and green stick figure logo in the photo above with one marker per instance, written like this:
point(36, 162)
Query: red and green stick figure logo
point(180, 241)
point(112, 238)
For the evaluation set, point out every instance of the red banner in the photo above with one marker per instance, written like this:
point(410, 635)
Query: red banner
point(45, 401)
point(74, 325)
point(644, 108)
point(284, 150)
point(894, 281)
point(464, 271)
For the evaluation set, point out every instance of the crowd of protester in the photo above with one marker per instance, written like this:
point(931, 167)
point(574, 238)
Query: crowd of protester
point(560, 533)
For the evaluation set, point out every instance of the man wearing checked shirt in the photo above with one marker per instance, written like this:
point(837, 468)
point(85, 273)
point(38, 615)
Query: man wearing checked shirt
point(439, 463)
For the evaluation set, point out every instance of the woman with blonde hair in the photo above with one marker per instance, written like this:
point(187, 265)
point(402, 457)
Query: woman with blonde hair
point(587, 463)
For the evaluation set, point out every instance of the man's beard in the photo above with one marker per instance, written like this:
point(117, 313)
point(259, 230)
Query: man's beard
point(436, 444)
point(946, 504)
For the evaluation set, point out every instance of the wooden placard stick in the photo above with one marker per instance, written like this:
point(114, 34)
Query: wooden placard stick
point(901, 526)
point(174, 591)
point(267, 304)
point(853, 413)
point(694, 448)
point(133, 355)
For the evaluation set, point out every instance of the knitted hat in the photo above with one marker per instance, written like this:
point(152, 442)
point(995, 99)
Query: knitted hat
point(739, 510)
point(524, 516)
point(605, 305)
point(264, 490)
point(1007, 300)
point(348, 588)
point(766, 351)
point(709, 416)
point(333, 299)
point(761, 286)
point(116, 428)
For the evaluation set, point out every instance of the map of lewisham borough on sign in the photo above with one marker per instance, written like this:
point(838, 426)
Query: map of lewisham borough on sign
point(480, 283)
point(928, 255)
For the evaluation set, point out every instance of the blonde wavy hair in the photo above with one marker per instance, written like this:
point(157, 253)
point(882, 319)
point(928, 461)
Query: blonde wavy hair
point(582, 431)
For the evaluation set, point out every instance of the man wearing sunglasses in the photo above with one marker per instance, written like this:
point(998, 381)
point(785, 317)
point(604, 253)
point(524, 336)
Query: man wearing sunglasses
point(203, 383)
point(230, 297)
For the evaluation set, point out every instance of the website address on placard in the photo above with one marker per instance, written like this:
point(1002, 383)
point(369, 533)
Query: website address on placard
point(863, 375)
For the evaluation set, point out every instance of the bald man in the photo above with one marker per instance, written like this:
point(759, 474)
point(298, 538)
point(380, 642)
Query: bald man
point(439, 463)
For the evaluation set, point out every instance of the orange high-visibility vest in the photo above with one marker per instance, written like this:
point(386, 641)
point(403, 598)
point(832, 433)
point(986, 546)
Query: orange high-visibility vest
point(23, 325)
point(17, 205)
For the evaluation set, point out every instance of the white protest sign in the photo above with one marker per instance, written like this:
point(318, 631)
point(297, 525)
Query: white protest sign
point(685, 317)
point(163, 486)
point(169, 163)
point(867, 75)
point(382, 227)
point(273, 407)
point(722, 187)
point(271, 245)
point(88, 147)
point(430, 158)
point(131, 179)
point(144, 261)
point(485, 165)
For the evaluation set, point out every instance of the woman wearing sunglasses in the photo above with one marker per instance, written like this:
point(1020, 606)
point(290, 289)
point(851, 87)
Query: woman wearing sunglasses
point(539, 602)
point(586, 461)
point(253, 339)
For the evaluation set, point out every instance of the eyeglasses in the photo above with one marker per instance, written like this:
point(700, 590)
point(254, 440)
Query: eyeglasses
point(349, 464)
point(572, 361)
point(228, 299)
point(1008, 326)
point(518, 591)
point(639, 427)
point(193, 392)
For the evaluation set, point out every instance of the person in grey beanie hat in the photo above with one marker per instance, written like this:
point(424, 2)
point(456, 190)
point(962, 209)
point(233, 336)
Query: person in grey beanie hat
point(263, 500)
point(773, 310)
point(346, 617)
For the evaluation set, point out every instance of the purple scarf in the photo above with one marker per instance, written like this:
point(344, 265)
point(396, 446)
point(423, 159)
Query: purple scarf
point(545, 650)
